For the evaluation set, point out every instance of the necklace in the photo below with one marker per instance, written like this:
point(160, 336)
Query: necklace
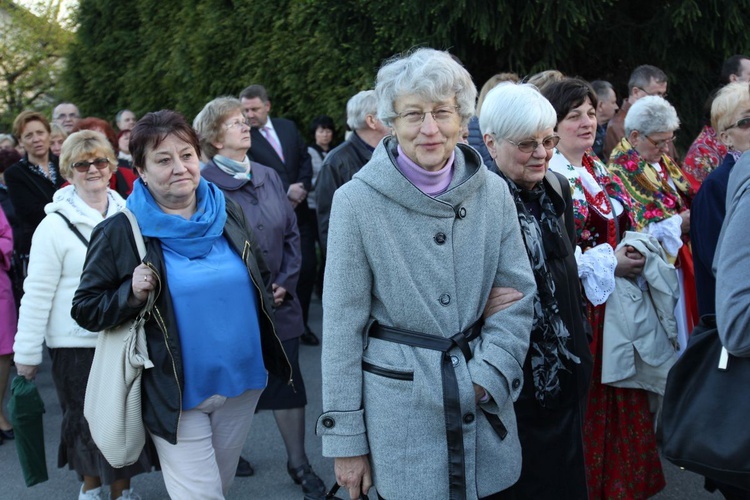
point(601, 201)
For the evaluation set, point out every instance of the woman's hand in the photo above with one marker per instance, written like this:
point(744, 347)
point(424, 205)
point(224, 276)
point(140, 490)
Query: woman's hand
point(27, 371)
point(500, 298)
point(143, 282)
point(279, 292)
point(480, 394)
point(685, 226)
point(630, 262)
point(353, 473)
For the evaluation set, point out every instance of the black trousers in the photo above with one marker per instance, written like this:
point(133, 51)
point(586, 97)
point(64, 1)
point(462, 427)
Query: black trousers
point(308, 233)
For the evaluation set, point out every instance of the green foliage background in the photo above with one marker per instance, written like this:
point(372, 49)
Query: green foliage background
point(312, 55)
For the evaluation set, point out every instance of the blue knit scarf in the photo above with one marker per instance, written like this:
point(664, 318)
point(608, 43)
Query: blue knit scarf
point(190, 238)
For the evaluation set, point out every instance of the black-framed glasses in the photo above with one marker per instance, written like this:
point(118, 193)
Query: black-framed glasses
point(663, 96)
point(443, 114)
point(529, 146)
point(84, 165)
point(237, 123)
point(742, 123)
point(662, 143)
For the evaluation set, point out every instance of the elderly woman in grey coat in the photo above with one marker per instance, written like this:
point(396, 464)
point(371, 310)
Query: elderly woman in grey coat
point(417, 391)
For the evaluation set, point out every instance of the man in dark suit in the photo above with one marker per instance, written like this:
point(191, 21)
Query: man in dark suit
point(276, 143)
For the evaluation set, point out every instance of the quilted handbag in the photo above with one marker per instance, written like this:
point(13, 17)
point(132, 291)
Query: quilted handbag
point(706, 407)
point(112, 406)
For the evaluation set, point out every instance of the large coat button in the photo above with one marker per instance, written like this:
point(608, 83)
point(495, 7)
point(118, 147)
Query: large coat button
point(328, 423)
point(440, 238)
point(468, 418)
point(454, 360)
point(461, 213)
point(516, 383)
point(445, 299)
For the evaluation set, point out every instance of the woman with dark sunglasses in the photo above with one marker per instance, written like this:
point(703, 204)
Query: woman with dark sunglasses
point(730, 117)
point(58, 251)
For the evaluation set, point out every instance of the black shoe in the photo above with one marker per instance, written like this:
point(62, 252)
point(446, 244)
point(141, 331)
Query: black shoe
point(309, 338)
point(9, 434)
point(312, 485)
point(244, 469)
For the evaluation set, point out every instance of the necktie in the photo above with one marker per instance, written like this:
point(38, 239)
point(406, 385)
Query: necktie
point(272, 141)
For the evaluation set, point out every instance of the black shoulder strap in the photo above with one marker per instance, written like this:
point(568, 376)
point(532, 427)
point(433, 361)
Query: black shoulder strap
point(556, 185)
point(74, 229)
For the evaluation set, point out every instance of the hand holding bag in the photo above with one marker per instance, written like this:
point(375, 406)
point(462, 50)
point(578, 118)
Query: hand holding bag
point(706, 407)
point(112, 406)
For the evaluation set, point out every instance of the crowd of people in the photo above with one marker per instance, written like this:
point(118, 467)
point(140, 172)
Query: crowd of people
point(488, 265)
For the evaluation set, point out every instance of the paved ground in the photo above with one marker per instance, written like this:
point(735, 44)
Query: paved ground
point(264, 448)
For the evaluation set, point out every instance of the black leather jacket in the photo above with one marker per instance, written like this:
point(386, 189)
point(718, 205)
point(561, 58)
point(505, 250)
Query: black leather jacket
point(101, 302)
point(338, 168)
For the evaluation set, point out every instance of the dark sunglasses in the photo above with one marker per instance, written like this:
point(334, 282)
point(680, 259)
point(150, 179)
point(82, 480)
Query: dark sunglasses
point(743, 124)
point(84, 165)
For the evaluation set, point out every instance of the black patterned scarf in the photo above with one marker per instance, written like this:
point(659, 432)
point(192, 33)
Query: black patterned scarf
point(549, 339)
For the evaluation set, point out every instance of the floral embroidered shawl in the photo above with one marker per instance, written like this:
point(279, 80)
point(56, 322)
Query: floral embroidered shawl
point(653, 199)
point(705, 154)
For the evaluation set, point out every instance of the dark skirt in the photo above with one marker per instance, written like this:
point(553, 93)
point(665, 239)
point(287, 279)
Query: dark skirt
point(280, 396)
point(70, 373)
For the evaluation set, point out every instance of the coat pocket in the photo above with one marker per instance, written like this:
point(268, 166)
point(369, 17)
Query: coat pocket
point(387, 372)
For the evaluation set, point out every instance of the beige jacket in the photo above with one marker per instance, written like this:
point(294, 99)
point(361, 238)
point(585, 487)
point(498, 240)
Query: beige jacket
point(640, 329)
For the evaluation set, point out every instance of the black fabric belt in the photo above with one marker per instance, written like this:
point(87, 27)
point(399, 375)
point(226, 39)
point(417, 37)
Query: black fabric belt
point(451, 400)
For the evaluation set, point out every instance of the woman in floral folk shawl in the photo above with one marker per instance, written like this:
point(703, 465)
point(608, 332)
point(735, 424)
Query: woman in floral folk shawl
point(661, 193)
point(622, 460)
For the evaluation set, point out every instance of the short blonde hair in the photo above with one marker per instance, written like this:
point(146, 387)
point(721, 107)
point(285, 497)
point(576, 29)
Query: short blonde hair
point(82, 145)
point(56, 129)
point(732, 98)
point(209, 123)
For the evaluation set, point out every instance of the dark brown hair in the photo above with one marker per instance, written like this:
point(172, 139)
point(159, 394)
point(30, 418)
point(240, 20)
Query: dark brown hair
point(153, 128)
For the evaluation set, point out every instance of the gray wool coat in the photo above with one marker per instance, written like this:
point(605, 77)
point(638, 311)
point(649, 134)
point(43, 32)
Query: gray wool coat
point(408, 260)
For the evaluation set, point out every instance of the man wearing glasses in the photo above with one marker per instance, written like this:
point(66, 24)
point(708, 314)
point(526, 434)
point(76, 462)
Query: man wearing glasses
point(66, 114)
point(645, 80)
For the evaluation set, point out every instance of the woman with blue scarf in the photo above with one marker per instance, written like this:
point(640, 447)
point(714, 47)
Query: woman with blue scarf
point(211, 334)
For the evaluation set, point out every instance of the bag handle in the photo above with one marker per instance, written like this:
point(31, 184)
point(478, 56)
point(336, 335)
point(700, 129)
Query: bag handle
point(141, 245)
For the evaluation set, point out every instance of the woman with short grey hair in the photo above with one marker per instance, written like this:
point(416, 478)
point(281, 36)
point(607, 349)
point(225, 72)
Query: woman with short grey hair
point(418, 391)
point(519, 130)
point(224, 133)
point(660, 191)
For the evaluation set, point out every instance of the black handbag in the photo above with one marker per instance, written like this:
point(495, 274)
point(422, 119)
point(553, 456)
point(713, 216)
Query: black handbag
point(706, 410)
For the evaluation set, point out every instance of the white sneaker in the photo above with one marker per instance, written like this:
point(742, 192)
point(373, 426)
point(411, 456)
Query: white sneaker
point(129, 495)
point(95, 494)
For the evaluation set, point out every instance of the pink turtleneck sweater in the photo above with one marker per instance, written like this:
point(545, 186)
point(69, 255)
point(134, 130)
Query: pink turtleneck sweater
point(430, 183)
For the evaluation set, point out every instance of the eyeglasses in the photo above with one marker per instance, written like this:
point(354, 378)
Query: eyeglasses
point(662, 95)
point(530, 145)
point(743, 123)
point(440, 115)
point(663, 143)
point(84, 165)
point(63, 116)
point(237, 123)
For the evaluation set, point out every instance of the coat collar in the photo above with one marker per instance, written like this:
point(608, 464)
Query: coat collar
point(226, 182)
point(382, 174)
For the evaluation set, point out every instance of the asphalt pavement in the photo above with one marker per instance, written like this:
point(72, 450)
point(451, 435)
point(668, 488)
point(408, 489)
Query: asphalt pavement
point(264, 448)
